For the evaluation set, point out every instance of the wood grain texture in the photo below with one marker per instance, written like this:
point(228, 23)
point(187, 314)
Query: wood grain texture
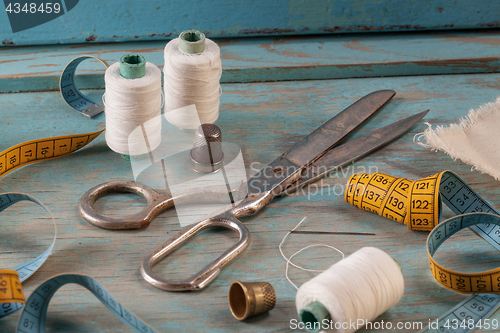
point(124, 20)
point(273, 59)
point(264, 119)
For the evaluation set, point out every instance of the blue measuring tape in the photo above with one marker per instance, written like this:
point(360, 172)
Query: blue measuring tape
point(468, 316)
point(418, 205)
point(34, 315)
point(72, 95)
point(28, 268)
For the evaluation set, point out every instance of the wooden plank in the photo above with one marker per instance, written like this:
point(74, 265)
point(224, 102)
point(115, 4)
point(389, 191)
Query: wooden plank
point(118, 20)
point(264, 119)
point(273, 59)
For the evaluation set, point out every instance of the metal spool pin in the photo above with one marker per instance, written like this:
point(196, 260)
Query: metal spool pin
point(207, 155)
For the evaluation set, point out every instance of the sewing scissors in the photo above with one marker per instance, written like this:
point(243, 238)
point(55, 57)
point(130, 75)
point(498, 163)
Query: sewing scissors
point(310, 159)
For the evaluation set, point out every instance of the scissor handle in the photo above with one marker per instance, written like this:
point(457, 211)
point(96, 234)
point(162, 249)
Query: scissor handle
point(201, 279)
point(156, 203)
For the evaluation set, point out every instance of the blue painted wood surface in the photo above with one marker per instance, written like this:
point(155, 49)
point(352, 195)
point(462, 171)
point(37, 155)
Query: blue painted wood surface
point(93, 21)
point(274, 59)
point(264, 119)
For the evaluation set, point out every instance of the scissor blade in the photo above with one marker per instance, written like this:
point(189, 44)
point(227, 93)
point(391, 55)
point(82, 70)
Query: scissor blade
point(287, 168)
point(357, 148)
point(327, 135)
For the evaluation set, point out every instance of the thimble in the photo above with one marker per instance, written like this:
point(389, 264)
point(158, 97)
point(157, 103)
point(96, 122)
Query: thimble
point(206, 155)
point(247, 299)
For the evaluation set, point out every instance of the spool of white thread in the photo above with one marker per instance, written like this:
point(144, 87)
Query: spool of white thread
point(133, 106)
point(192, 73)
point(362, 286)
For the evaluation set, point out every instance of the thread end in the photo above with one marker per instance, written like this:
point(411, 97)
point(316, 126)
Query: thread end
point(192, 41)
point(312, 315)
point(132, 66)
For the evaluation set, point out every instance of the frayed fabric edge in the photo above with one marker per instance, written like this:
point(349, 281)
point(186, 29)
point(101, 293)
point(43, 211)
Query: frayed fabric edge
point(433, 137)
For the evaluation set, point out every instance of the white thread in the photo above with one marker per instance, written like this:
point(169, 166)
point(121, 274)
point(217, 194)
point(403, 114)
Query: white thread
point(288, 260)
point(362, 286)
point(192, 79)
point(131, 104)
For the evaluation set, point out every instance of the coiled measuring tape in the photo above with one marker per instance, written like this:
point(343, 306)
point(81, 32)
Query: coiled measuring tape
point(418, 205)
point(11, 293)
point(50, 148)
point(72, 95)
point(34, 314)
point(483, 282)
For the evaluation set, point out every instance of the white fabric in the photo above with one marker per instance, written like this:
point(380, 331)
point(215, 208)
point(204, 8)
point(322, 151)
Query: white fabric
point(475, 140)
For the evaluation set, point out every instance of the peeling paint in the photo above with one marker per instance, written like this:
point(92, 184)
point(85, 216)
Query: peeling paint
point(91, 38)
point(490, 24)
point(472, 39)
point(356, 45)
point(220, 18)
point(7, 42)
point(265, 31)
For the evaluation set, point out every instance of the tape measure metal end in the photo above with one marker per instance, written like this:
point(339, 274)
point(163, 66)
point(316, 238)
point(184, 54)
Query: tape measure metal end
point(93, 110)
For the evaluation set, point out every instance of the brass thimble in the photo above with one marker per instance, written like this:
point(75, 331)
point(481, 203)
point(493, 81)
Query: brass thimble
point(247, 299)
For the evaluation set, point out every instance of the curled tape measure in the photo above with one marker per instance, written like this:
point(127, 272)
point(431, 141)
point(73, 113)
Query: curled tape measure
point(484, 282)
point(72, 95)
point(34, 315)
point(418, 203)
point(11, 293)
point(50, 148)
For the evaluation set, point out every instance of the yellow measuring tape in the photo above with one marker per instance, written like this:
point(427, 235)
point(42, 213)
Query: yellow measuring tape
point(417, 204)
point(11, 290)
point(42, 149)
point(472, 283)
point(33, 316)
point(414, 203)
point(50, 148)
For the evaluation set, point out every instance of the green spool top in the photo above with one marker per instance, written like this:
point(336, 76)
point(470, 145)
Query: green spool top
point(132, 66)
point(312, 315)
point(399, 265)
point(192, 41)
